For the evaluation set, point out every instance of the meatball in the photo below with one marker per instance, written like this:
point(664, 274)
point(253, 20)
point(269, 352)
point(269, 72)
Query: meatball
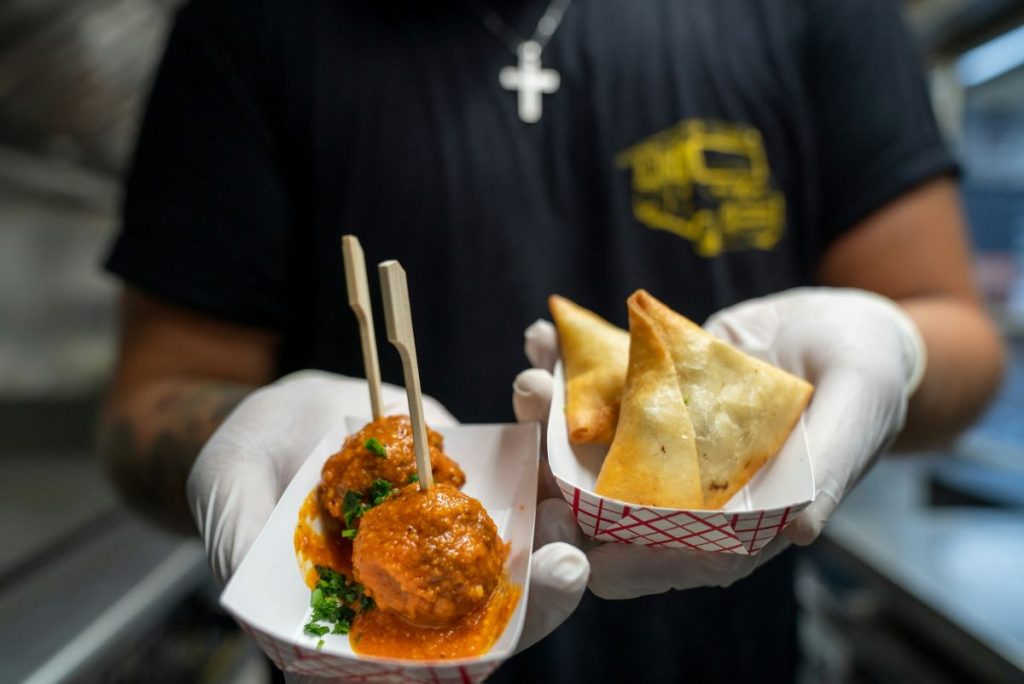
point(430, 557)
point(382, 450)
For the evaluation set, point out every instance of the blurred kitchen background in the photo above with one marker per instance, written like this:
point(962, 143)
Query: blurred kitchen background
point(920, 578)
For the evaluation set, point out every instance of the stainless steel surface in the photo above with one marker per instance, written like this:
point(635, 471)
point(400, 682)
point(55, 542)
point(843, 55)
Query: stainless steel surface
point(142, 606)
point(966, 565)
point(100, 600)
point(44, 500)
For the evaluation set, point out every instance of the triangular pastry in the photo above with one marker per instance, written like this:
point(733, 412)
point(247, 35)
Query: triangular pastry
point(653, 458)
point(595, 354)
point(742, 408)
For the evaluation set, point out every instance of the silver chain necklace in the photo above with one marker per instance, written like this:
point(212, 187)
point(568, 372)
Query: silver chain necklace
point(527, 78)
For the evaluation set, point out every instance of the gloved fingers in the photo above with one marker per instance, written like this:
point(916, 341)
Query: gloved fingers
point(851, 419)
point(531, 399)
point(540, 342)
point(230, 507)
point(556, 524)
point(839, 439)
point(864, 356)
point(558, 578)
point(531, 395)
point(625, 571)
point(810, 523)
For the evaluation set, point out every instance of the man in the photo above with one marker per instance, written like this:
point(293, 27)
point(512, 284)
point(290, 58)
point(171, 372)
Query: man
point(712, 152)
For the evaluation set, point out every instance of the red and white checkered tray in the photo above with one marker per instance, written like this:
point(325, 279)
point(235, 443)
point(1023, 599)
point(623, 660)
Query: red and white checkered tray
point(270, 600)
point(751, 519)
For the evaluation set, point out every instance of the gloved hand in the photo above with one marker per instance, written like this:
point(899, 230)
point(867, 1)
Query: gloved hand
point(865, 358)
point(249, 461)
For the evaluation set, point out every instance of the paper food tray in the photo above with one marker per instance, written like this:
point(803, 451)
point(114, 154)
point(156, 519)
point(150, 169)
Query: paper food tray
point(270, 600)
point(751, 519)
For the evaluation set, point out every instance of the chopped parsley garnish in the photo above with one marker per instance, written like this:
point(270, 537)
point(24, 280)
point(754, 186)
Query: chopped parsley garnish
point(380, 490)
point(352, 507)
point(335, 602)
point(413, 479)
point(316, 630)
point(376, 446)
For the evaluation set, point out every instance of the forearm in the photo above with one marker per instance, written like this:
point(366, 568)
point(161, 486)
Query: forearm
point(965, 367)
point(151, 436)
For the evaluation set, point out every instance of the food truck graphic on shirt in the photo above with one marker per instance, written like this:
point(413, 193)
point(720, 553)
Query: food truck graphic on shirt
point(709, 182)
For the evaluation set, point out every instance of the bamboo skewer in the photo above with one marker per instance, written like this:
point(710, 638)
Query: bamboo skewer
point(359, 300)
point(398, 317)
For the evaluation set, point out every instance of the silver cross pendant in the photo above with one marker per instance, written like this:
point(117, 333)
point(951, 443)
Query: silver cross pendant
point(530, 80)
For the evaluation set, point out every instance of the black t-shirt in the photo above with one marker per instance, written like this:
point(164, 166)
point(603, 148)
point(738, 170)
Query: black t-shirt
point(707, 150)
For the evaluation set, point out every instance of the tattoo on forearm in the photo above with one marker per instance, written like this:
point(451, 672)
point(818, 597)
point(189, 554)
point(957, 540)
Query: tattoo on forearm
point(150, 452)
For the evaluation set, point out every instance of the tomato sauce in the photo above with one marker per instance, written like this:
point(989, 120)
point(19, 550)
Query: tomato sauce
point(377, 632)
point(382, 633)
point(317, 542)
point(356, 466)
point(431, 557)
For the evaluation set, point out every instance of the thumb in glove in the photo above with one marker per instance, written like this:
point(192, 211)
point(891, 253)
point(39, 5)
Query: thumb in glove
point(558, 572)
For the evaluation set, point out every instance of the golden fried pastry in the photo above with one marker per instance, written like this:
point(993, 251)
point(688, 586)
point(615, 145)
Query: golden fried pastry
point(742, 408)
point(595, 354)
point(653, 458)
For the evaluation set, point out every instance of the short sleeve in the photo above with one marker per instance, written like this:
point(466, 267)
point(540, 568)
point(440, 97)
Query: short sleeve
point(205, 212)
point(875, 129)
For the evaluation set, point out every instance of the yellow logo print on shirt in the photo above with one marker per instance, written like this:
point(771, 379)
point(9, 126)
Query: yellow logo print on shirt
point(708, 182)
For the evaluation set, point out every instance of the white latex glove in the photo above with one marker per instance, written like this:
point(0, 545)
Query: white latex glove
point(865, 357)
point(249, 461)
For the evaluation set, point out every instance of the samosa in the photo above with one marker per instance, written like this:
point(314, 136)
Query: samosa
point(595, 354)
point(653, 459)
point(742, 408)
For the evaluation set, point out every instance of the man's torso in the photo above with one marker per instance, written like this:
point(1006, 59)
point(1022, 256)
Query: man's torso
point(676, 156)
